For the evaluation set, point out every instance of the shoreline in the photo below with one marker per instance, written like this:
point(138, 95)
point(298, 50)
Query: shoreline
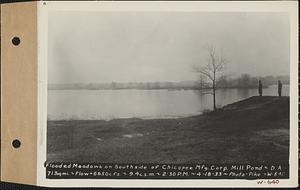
point(252, 130)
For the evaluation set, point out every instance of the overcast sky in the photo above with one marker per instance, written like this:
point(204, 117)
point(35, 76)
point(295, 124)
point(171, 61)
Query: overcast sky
point(162, 46)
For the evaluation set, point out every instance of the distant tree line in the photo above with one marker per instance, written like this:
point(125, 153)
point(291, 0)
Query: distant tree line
point(248, 81)
point(243, 81)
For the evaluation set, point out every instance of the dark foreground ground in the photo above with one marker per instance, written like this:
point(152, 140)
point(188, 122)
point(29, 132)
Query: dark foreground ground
point(250, 131)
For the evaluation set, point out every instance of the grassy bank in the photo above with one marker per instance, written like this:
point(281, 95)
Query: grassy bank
point(252, 130)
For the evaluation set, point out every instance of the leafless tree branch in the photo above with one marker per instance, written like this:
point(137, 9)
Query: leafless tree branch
point(212, 70)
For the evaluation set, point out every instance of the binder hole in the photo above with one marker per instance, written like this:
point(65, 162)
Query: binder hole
point(16, 143)
point(16, 41)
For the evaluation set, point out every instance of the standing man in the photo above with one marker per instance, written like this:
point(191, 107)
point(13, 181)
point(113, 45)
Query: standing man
point(279, 87)
point(259, 88)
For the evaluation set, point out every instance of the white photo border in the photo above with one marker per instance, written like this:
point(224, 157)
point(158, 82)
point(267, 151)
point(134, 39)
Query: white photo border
point(45, 7)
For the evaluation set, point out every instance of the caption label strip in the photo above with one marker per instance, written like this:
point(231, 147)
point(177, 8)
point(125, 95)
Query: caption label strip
point(165, 171)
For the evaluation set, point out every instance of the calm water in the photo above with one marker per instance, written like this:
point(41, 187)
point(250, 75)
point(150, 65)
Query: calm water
point(110, 104)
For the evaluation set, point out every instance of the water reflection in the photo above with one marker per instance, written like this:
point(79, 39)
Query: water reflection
point(244, 92)
point(110, 104)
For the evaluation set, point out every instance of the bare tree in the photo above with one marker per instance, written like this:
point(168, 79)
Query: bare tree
point(212, 71)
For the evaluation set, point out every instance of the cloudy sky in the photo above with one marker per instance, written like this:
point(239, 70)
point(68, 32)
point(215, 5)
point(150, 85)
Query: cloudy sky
point(162, 46)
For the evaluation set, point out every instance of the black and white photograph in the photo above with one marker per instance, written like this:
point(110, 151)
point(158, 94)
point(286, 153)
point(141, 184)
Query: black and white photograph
point(173, 88)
